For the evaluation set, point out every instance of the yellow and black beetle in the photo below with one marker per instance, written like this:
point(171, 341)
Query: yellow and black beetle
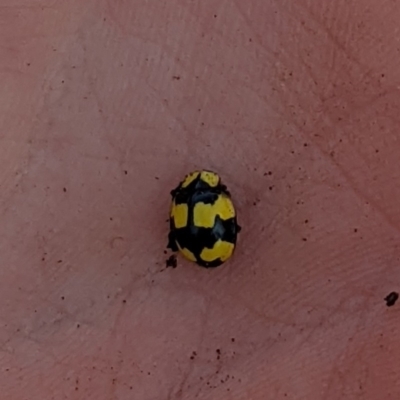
point(203, 225)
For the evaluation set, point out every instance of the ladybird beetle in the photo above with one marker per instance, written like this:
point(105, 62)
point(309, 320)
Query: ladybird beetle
point(203, 225)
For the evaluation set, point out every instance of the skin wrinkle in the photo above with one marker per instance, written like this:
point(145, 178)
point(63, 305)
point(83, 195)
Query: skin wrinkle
point(362, 195)
point(120, 100)
point(347, 177)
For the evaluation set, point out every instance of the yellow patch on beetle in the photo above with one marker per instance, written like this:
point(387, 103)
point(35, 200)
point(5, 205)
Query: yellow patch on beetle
point(187, 253)
point(190, 178)
point(179, 212)
point(210, 177)
point(222, 250)
point(204, 214)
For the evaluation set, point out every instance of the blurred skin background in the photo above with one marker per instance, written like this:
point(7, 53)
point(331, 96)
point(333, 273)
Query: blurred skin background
point(106, 105)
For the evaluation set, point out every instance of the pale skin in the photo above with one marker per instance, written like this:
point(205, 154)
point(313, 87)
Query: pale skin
point(106, 105)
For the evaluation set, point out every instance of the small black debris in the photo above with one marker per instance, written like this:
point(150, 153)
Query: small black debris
point(171, 261)
point(391, 299)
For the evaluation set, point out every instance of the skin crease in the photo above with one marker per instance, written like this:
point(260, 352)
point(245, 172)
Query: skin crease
point(106, 105)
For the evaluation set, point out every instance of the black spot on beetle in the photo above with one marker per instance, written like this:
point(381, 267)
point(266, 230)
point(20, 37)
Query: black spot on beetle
point(391, 299)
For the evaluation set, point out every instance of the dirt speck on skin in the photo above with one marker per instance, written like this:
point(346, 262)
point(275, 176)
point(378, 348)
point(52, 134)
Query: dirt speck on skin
point(391, 299)
point(171, 261)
